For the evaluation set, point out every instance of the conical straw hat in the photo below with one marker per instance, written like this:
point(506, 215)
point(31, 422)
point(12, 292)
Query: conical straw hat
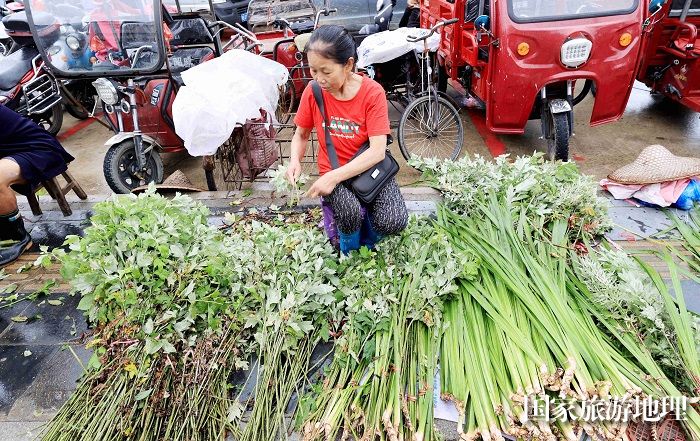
point(177, 181)
point(656, 164)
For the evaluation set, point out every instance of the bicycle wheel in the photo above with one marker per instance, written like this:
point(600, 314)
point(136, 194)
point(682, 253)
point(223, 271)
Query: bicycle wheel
point(430, 127)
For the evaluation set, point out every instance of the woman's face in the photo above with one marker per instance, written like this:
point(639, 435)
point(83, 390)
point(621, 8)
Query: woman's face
point(327, 72)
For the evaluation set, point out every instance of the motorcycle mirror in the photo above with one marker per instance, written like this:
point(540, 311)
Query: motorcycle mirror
point(655, 5)
point(482, 22)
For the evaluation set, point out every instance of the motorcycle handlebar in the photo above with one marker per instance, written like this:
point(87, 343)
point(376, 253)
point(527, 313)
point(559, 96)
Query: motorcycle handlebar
point(414, 39)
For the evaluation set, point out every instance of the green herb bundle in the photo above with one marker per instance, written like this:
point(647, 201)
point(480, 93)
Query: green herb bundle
point(164, 292)
point(380, 383)
point(529, 185)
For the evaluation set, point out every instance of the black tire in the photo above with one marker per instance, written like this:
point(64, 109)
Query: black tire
point(82, 92)
point(120, 165)
point(442, 137)
point(4, 49)
point(51, 120)
point(558, 142)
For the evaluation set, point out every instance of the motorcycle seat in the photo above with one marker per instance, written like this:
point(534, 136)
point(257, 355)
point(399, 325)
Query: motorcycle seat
point(692, 47)
point(15, 66)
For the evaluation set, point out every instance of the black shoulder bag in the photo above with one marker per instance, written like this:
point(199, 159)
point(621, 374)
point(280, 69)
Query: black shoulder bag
point(369, 183)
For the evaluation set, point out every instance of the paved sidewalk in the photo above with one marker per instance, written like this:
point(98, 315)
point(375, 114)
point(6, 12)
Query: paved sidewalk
point(40, 360)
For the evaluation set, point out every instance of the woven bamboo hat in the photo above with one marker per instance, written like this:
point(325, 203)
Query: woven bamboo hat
point(656, 164)
point(177, 181)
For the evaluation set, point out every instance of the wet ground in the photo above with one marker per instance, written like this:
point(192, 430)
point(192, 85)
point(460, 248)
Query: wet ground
point(597, 150)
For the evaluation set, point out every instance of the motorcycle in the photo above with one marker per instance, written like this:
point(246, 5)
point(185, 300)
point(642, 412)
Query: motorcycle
point(7, 8)
point(522, 60)
point(26, 86)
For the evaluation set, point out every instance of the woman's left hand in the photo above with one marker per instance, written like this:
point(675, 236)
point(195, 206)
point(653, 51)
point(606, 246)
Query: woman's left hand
point(323, 186)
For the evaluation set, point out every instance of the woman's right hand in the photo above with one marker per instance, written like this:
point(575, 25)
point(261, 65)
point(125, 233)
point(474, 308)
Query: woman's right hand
point(293, 171)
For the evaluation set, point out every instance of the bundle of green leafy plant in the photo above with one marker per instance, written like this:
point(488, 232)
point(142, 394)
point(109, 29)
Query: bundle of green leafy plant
point(380, 383)
point(278, 178)
point(297, 275)
point(179, 306)
point(619, 284)
point(530, 186)
point(165, 293)
point(690, 235)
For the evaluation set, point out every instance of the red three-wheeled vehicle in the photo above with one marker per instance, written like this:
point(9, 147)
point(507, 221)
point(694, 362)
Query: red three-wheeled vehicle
point(537, 59)
point(670, 63)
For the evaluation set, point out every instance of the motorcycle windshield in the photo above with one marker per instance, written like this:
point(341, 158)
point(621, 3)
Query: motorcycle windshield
point(97, 38)
point(528, 11)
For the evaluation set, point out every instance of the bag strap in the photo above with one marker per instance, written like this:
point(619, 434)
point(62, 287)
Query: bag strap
point(318, 95)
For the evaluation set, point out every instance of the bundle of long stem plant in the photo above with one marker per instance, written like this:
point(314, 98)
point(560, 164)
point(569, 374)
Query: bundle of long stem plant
point(527, 330)
point(380, 384)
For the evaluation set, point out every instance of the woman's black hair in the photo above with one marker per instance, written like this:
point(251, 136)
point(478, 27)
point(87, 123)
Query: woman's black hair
point(333, 42)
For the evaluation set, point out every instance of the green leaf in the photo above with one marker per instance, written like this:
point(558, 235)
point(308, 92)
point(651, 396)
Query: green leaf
point(143, 394)
point(55, 302)
point(19, 318)
point(86, 302)
point(152, 346)
point(168, 347)
point(148, 327)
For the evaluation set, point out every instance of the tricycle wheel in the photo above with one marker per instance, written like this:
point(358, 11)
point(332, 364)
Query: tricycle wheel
point(558, 142)
point(121, 167)
point(431, 127)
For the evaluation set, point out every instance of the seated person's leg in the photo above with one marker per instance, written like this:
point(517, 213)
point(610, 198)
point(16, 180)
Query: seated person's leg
point(387, 214)
point(14, 238)
point(348, 217)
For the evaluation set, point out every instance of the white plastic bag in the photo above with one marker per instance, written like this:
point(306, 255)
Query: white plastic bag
point(387, 45)
point(223, 93)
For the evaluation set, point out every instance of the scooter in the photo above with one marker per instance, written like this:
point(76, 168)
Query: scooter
point(26, 86)
point(7, 8)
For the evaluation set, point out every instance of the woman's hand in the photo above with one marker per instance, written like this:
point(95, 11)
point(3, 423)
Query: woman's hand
point(293, 171)
point(323, 185)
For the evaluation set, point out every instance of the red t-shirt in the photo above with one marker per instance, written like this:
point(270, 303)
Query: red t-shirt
point(352, 122)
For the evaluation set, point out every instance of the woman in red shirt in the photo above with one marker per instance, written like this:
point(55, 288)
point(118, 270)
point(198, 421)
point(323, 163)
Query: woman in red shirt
point(357, 111)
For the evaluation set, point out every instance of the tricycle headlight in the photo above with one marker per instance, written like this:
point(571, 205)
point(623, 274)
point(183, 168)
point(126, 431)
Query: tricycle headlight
point(575, 52)
point(106, 91)
point(73, 42)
